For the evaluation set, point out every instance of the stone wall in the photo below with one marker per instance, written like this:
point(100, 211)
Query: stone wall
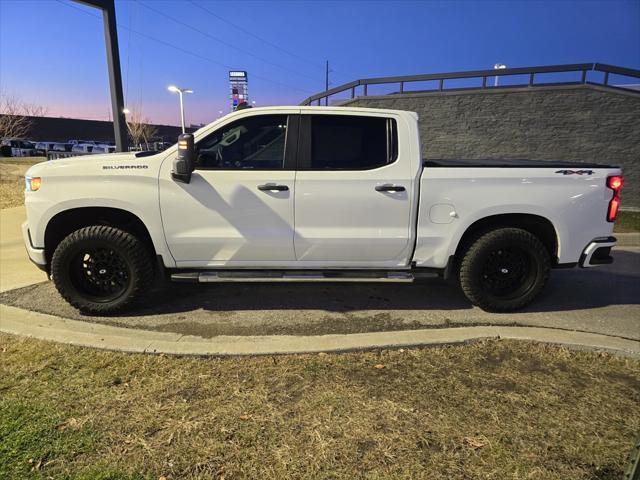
point(584, 123)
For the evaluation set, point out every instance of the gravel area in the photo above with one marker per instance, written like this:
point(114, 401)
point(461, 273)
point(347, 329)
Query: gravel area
point(603, 300)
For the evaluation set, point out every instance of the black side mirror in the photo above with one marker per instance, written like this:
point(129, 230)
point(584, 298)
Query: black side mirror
point(185, 162)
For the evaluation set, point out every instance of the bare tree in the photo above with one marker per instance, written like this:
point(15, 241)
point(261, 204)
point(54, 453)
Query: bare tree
point(140, 130)
point(16, 116)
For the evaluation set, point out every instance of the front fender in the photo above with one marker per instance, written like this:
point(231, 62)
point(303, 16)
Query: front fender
point(41, 209)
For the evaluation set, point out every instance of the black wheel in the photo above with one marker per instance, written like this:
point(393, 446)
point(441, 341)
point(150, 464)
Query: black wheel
point(504, 270)
point(100, 270)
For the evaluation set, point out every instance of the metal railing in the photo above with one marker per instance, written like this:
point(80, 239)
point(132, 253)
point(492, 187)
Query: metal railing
point(584, 68)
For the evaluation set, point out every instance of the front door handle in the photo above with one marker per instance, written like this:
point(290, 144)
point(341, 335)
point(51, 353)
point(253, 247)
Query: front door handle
point(272, 187)
point(388, 187)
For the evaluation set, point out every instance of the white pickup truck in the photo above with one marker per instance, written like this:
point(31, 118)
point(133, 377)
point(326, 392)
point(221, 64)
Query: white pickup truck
point(313, 194)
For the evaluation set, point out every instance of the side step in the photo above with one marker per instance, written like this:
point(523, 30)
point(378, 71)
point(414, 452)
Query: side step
point(297, 276)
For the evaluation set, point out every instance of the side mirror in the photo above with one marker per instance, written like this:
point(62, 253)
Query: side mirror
point(185, 162)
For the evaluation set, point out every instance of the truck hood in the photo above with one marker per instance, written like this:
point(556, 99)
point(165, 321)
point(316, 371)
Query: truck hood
point(105, 163)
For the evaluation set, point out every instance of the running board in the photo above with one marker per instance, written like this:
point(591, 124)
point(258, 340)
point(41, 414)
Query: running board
point(256, 276)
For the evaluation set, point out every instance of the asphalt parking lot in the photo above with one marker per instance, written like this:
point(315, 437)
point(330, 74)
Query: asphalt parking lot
point(602, 300)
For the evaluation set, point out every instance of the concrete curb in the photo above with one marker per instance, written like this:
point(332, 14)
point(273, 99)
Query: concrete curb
point(47, 327)
point(628, 239)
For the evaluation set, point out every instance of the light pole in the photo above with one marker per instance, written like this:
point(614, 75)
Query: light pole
point(180, 91)
point(498, 66)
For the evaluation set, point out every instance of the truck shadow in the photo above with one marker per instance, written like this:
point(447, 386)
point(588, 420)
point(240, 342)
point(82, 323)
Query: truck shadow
point(578, 288)
point(573, 289)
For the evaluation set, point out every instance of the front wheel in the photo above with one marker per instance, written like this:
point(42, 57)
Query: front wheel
point(504, 270)
point(100, 270)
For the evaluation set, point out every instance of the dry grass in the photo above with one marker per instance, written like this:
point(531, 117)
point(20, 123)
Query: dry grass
point(627, 222)
point(491, 410)
point(12, 172)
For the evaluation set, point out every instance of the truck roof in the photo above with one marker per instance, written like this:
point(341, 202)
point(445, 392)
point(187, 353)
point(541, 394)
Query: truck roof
point(330, 108)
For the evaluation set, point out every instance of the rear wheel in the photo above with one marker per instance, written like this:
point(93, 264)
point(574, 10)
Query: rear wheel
point(504, 270)
point(101, 270)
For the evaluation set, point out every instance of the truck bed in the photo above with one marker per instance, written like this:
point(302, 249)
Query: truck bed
point(510, 163)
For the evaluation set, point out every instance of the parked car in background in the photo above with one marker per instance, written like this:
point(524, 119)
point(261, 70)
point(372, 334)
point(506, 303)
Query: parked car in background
point(83, 142)
point(103, 148)
point(82, 147)
point(160, 146)
point(5, 148)
point(17, 147)
point(45, 146)
point(91, 146)
point(61, 147)
point(156, 146)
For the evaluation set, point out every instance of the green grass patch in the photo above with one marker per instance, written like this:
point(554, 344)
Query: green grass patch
point(627, 222)
point(33, 437)
point(497, 409)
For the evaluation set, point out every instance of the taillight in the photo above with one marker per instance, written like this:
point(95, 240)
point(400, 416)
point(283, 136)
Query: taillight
point(615, 183)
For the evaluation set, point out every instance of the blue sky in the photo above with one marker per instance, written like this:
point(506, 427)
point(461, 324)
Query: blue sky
point(52, 51)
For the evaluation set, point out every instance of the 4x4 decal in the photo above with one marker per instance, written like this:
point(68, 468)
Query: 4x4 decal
point(576, 172)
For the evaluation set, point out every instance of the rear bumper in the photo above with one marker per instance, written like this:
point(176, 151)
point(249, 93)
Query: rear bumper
point(36, 255)
point(598, 252)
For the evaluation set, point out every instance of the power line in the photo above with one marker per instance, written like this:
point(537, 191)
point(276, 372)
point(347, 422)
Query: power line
point(250, 33)
point(183, 50)
point(223, 42)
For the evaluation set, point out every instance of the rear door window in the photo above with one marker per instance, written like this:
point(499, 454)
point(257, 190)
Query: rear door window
point(346, 142)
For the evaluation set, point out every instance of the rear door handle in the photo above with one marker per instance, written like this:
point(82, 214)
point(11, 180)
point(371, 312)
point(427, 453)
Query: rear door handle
point(388, 187)
point(272, 187)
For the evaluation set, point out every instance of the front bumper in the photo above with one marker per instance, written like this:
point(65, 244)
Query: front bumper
point(598, 252)
point(36, 255)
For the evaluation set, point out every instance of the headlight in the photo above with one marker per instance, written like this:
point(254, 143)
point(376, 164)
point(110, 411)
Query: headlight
point(32, 183)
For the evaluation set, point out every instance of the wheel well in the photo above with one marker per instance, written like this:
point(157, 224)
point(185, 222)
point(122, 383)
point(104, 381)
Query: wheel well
point(535, 224)
point(64, 223)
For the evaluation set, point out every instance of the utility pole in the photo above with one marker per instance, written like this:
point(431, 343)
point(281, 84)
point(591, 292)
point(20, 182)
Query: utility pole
point(326, 83)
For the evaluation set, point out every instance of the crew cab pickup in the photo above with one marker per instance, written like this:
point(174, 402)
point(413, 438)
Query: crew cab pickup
point(322, 194)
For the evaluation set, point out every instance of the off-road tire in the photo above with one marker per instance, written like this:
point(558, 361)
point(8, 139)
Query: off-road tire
point(529, 255)
point(133, 256)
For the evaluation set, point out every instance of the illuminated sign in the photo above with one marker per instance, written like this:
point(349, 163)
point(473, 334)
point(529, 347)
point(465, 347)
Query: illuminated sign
point(239, 88)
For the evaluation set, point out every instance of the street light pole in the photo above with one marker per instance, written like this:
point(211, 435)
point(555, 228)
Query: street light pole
point(498, 66)
point(326, 82)
point(180, 91)
point(181, 111)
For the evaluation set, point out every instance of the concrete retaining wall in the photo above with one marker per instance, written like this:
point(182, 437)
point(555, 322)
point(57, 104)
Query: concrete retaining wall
point(585, 123)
